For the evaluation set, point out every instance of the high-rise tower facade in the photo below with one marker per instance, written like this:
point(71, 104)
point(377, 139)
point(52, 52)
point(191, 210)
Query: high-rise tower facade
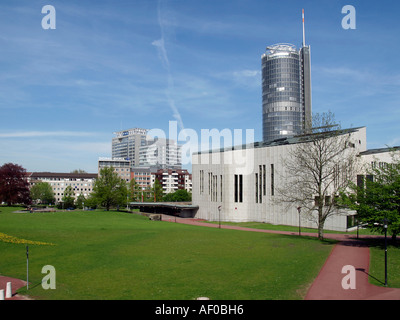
point(286, 90)
point(126, 144)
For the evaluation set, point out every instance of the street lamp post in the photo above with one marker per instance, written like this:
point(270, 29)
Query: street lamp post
point(385, 226)
point(299, 211)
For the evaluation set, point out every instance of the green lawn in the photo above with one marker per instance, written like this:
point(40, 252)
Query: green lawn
point(377, 252)
point(113, 255)
point(377, 267)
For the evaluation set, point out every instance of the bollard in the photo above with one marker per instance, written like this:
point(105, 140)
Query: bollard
point(2, 294)
point(8, 290)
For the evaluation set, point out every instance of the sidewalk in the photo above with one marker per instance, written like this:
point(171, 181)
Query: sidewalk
point(15, 285)
point(328, 283)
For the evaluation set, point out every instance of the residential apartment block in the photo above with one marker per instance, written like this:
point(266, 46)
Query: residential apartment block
point(120, 165)
point(173, 180)
point(81, 183)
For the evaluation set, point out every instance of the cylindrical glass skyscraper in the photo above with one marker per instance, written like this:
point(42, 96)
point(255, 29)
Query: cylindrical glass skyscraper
point(286, 91)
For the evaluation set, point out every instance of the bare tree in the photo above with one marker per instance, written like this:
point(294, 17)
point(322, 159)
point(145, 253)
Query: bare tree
point(323, 163)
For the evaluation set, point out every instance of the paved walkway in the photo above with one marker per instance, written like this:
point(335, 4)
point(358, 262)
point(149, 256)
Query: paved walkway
point(328, 284)
point(15, 285)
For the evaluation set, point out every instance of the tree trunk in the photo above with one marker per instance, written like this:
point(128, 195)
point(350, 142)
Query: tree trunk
point(320, 233)
point(320, 223)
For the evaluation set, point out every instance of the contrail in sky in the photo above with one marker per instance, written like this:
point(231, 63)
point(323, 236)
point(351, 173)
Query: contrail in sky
point(162, 52)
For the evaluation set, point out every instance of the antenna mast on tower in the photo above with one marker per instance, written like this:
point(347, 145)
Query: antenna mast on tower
point(304, 32)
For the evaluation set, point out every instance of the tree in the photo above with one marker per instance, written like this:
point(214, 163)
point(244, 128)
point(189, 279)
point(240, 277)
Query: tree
point(180, 195)
point(79, 202)
point(317, 168)
point(43, 193)
point(109, 189)
point(135, 193)
point(376, 197)
point(69, 198)
point(157, 191)
point(78, 171)
point(14, 187)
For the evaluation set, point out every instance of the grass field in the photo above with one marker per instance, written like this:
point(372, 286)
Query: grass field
point(114, 255)
point(377, 252)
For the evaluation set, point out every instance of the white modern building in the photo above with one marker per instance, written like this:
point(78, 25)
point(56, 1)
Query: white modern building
point(160, 153)
point(240, 185)
point(126, 144)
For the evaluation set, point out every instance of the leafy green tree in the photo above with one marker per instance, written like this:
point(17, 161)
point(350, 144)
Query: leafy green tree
point(78, 171)
point(69, 198)
point(180, 195)
point(43, 193)
point(91, 202)
point(376, 197)
point(157, 191)
point(135, 193)
point(80, 201)
point(109, 189)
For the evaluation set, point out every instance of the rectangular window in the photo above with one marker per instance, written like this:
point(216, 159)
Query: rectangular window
point(264, 180)
point(327, 201)
point(256, 178)
point(209, 183)
point(221, 185)
point(360, 181)
point(215, 188)
point(316, 201)
point(202, 181)
point(238, 188)
point(272, 181)
point(260, 183)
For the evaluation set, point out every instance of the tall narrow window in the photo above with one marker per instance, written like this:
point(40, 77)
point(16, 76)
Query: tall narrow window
point(236, 189)
point(221, 185)
point(240, 188)
point(256, 178)
point(264, 180)
point(209, 183)
point(216, 188)
point(260, 183)
point(201, 181)
point(272, 181)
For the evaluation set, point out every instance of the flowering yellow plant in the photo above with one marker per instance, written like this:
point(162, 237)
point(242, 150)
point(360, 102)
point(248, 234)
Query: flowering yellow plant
point(10, 239)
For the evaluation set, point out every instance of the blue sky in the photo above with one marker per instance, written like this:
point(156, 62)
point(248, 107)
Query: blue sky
point(113, 65)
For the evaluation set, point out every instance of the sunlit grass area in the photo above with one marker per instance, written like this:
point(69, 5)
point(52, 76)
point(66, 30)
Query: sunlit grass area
point(115, 255)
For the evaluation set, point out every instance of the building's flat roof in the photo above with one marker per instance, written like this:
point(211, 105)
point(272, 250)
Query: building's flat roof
point(379, 150)
point(63, 175)
point(283, 141)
